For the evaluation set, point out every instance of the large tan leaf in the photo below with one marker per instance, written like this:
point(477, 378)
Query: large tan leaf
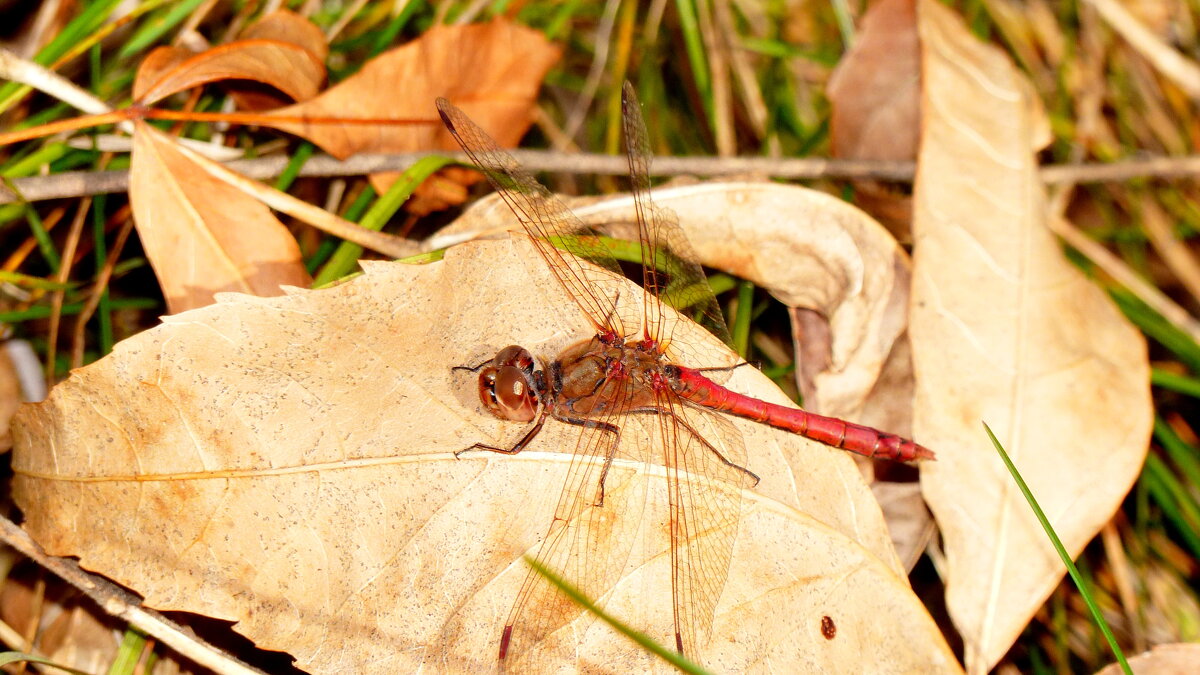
point(286, 463)
point(202, 235)
point(1005, 331)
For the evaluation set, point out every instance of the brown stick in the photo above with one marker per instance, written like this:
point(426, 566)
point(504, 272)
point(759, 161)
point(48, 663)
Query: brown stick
point(79, 183)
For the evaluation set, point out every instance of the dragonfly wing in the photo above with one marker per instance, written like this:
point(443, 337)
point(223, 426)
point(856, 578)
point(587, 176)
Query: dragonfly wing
point(705, 461)
point(588, 545)
point(670, 271)
point(551, 225)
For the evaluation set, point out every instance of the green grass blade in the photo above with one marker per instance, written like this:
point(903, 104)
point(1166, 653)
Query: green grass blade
point(33, 162)
point(43, 311)
point(1084, 591)
point(128, 653)
point(7, 658)
point(99, 254)
point(42, 236)
point(1172, 499)
point(344, 259)
point(1155, 326)
point(27, 281)
point(741, 320)
point(1181, 384)
point(292, 170)
point(689, 24)
point(1184, 456)
point(387, 36)
point(669, 655)
point(352, 213)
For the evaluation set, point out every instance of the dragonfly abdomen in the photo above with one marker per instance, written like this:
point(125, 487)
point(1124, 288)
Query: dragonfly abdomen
point(856, 438)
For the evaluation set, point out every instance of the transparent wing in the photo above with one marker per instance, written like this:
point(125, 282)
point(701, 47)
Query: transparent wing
point(588, 545)
point(705, 463)
point(670, 270)
point(549, 223)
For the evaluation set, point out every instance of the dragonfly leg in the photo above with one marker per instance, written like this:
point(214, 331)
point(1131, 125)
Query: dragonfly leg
point(719, 369)
point(472, 369)
point(709, 446)
point(609, 454)
point(517, 447)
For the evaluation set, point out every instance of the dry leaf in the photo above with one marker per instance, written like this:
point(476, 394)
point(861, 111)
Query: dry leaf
point(285, 26)
point(874, 97)
point(908, 519)
point(1174, 659)
point(280, 52)
point(203, 236)
point(10, 397)
point(492, 71)
point(1005, 331)
point(287, 463)
point(807, 248)
point(874, 92)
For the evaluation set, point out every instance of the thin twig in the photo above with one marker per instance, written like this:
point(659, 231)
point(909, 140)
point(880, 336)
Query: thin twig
point(118, 602)
point(1160, 229)
point(1116, 268)
point(64, 275)
point(81, 183)
point(97, 292)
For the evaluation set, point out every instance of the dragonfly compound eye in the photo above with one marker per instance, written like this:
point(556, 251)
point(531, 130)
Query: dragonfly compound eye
point(515, 356)
point(515, 397)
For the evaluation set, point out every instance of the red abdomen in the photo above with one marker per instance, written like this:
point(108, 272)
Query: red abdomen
point(856, 438)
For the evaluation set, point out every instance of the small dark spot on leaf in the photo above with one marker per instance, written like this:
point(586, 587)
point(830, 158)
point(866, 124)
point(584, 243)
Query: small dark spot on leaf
point(828, 627)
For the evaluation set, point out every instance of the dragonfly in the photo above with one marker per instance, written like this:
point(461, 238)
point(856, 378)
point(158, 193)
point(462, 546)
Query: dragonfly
point(629, 378)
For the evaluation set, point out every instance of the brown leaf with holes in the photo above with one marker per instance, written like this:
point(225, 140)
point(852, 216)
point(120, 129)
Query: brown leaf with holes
point(203, 236)
point(284, 54)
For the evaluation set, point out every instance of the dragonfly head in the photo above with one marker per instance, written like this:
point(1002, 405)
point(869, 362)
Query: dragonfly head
point(508, 385)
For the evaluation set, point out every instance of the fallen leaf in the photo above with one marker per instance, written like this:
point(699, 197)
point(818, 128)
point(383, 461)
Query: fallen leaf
point(1005, 331)
point(286, 26)
point(909, 521)
point(492, 71)
point(874, 93)
point(287, 464)
point(202, 235)
point(10, 398)
point(874, 96)
point(280, 51)
point(283, 26)
point(806, 248)
point(1174, 659)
